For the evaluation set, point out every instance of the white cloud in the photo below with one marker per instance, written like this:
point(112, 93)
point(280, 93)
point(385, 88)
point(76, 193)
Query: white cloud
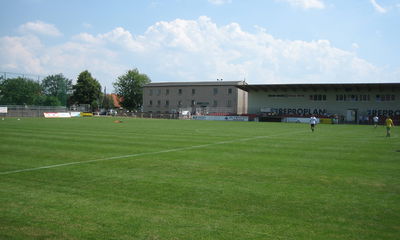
point(41, 28)
point(219, 2)
point(21, 54)
point(306, 4)
point(123, 38)
point(200, 50)
point(87, 38)
point(27, 54)
point(190, 50)
point(87, 25)
point(84, 52)
point(378, 7)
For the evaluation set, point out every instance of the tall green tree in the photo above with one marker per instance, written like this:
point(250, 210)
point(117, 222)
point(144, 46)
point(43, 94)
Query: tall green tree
point(130, 88)
point(19, 91)
point(87, 90)
point(57, 86)
point(44, 100)
point(107, 102)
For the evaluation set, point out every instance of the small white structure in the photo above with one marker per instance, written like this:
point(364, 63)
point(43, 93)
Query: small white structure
point(185, 114)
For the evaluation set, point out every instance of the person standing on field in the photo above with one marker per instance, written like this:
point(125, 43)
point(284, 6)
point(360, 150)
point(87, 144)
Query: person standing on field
point(389, 125)
point(376, 120)
point(313, 122)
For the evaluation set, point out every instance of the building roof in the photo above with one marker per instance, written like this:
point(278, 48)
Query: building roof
point(188, 84)
point(116, 100)
point(324, 87)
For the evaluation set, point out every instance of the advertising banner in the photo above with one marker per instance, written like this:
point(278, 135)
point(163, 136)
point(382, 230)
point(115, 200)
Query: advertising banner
point(56, 115)
point(87, 114)
point(3, 109)
point(75, 114)
point(222, 118)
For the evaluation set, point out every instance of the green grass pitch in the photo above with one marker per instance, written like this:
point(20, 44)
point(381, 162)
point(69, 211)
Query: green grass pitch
point(91, 178)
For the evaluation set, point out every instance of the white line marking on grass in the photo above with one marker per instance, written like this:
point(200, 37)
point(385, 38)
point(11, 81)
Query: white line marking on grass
point(146, 153)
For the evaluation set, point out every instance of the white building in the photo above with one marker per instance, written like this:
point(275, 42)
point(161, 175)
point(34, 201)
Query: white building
point(352, 102)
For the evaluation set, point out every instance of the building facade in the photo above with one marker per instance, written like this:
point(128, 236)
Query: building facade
point(352, 102)
point(196, 97)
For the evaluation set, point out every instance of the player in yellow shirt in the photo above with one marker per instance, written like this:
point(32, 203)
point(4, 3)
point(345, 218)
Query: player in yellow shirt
point(389, 125)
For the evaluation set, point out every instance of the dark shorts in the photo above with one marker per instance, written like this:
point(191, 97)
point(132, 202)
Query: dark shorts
point(312, 125)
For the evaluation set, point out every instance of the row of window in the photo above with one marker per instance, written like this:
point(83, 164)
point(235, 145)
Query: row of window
point(354, 97)
point(365, 97)
point(158, 92)
point(318, 97)
point(193, 103)
point(384, 98)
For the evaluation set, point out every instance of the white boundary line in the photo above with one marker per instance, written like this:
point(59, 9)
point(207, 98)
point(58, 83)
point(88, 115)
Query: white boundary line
point(144, 154)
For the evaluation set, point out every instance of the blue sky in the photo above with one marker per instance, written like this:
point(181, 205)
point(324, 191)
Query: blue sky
point(261, 41)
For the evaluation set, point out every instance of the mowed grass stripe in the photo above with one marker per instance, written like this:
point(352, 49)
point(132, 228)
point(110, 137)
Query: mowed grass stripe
point(187, 148)
point(341, 182)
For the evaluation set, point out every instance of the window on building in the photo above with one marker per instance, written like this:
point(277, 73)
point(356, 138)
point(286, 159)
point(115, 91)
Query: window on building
point(180, 91)
point(318, 97)
point(193, 102)
point(386, 97)
point(215, 103)
point(151, 103)
point(158, 92)
point(166, 91)
point(363, 98)
point(229, 103)
point(180, 103)
point(167, 103)
point(151, 92)
point(352, 97)
point(193, 91)
point(158, 102)
point(215, 91)
point(230, 90)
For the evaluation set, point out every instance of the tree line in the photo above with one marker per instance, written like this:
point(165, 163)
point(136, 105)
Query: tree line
point(57, 90)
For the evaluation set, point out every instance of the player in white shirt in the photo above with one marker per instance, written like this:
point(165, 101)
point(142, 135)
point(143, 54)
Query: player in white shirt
point(376, 120)
point(313, 122)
